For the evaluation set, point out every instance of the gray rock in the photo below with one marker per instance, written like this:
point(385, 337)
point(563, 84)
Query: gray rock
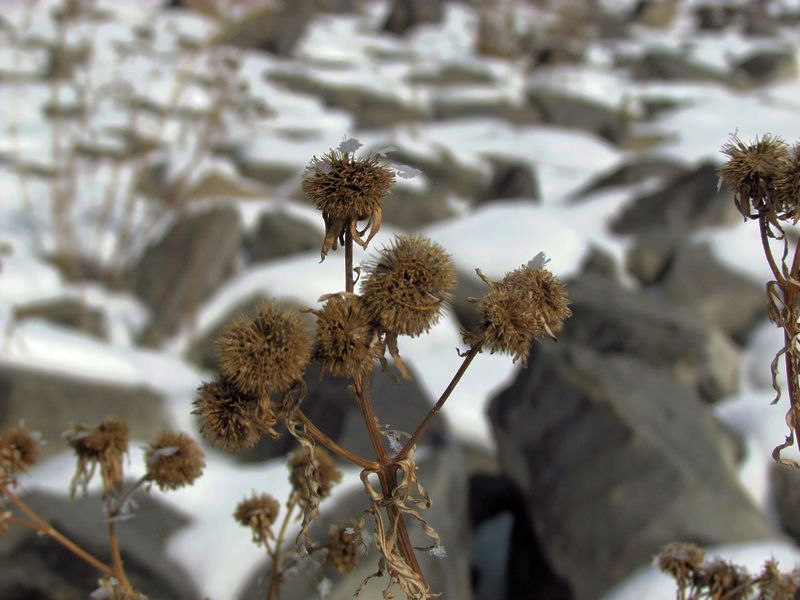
point(615, 459)
point(767, 66)
point(69, 312)
point(411, 208)
point(511, 179)
point(785, 489)
point(723, 298)
point(274, 28)
point(684, 205)
point(444, 171)
point(649, 257)
point(467, 108)
point(37, 567)
point(280, 234)
point(633, 171)
point(181, 270)
point(613, 320)
point(655, 13)
point(468, 285)
point(666, 65)
point(715, 17)
point(453, 75)
point(443, 476)
point(49, 403)
point(566, 110)
point(406, 14)
point(271, 172)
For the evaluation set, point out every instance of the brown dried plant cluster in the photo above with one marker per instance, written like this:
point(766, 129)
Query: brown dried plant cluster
point(717, 579)
point(765, 178)
point(259, 391)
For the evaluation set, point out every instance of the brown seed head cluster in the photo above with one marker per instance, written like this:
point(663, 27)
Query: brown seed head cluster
point(347, 345)
point(19, 450)
point(173, 460)
point(104, 446)
point(267, 354)
point(724, 579)
point(259, 513)
point(312, 479)
point(774, 585)
point(407, 286)
point(750, 172)
point(787, 185)
point(527, 304)
point(346, 548)
point(229, 418)
point(681, 561)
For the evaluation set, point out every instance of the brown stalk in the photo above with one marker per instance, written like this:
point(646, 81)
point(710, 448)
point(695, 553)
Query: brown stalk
point(334, 447)
point(44, 528)
point(275, 553)
point(116, 558)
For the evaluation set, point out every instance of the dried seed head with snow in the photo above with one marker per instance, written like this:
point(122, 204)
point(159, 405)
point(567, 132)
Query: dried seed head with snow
point(173, 460)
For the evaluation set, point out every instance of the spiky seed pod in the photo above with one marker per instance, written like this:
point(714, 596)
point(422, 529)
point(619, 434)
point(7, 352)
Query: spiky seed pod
point(267, 354)
point(312, 480)
point(5, 522)
point(103, 445)
point(750, 171)
point(681, 561)
point(173, 460)
point(787, 185)
point(546, 294)
point(19, 450)
point(259, 513)
point(774, 585)
point(345, 549)
point(229, 418)
point(347, 345)
point(408, 284)
point(724, 579)
point(346, 190)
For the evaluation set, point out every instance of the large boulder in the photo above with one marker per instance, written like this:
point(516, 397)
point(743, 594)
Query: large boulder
point(279, 234)
point(412, 207)
point(49, 403)
point(183, 268)
point(511, 179)
point(36, 567)
point(612, 320)
point(566, 110)
point(767, 66)
point(669, 65)
point(633, 171)
point(616, 458)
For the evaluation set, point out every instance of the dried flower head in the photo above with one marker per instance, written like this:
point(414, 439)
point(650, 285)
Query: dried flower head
point(103, 445)
point(173, 460)
point(724, 579)
point(19, 450)
point(312, 478)
point(5, 522)
point(229, 418)
point(347, 343)
point(787, 185)
point(266, 354)
point(258, 512)
point(774, 585)
point(346, 190)
point(750, 171)
point(345, 549)
point(408, 284)
point(528, 303)
point(681, 561)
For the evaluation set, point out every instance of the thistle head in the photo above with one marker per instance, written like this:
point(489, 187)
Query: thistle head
point(347, 343)
point(259, 513)
point(750, 172)
point(19, 450)
point(774, 584)
point(408, 285)
point(229, 418)
point(787, 185)
point(173, 460)
point(345, 548)
point(681, 561)
point(103, 445)
point(724, 579)
point(266, 354)
point(312, 474)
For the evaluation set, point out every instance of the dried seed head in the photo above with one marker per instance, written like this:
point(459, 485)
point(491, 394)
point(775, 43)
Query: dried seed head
point(546, 294)
point(750, 171)
point(787, 185)
point(312, 479)
point(5, 522)
point(229, 418)
point(173, 460)
point(681, 561)
point(725, 580)
point(774, 585)
point(266, 354)
point(258, 513)
point(347, 344)
point(346, 549)
point(407, 286)
point(104, 445)
point(19, 450)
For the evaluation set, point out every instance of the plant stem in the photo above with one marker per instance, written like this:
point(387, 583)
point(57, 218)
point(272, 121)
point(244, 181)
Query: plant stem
point(334, 447)
point(790, 330)
point(116, 559)
point(44, 528)
point(349, 284)
point(275, 554)
point(473, 352)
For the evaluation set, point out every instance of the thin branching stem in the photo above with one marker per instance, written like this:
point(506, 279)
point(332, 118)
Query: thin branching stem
point(275, 552)
point(116, 558)
point(333, 446)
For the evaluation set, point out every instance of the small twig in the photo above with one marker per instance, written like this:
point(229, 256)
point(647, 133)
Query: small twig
point(334, 447)
point(275, 553)
point(348, 259)
point(116, 558)
point(412, 441)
